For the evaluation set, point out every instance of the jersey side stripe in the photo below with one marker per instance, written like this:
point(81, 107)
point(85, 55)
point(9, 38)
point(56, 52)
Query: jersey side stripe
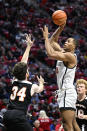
point(63, 78)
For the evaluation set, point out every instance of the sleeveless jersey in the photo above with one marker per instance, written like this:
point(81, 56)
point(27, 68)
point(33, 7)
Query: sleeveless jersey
point(65, 75)
point(20, 95)
point(81, 108)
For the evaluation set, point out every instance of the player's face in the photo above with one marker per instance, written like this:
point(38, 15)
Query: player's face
point(68, 45)
point(81, 89)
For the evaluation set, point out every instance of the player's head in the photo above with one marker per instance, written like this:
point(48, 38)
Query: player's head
point(70, 44)
point(81, 86)
point(20, 71)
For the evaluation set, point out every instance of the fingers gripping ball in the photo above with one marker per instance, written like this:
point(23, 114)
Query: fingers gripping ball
point(59, 17)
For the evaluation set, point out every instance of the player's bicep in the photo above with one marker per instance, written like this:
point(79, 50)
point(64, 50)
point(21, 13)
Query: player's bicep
point(34, 89)
point(56, 46)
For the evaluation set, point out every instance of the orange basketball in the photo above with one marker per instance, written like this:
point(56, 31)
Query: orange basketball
point(59, 17)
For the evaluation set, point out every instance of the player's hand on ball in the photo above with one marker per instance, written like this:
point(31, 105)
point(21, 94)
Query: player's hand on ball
point(29, 41)
point(62, 26)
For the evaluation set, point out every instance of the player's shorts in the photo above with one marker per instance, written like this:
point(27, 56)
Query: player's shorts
point(67, 99)
point(15, 120)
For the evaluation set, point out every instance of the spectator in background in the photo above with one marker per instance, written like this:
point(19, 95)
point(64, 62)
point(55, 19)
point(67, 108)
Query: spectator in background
point(53, 125)
point(59, 126)
point(45, 121)
point(81, 104)
point(37, 126)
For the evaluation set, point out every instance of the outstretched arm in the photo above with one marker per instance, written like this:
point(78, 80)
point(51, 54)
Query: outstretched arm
point(29, 45)
point(38, 88)
point(56, 34)
point(48, 46)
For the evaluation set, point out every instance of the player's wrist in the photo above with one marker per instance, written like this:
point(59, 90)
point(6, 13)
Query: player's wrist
point(46, 39)
point(29, 47)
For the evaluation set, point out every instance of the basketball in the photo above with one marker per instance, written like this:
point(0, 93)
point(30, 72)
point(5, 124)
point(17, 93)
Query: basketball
point(59, 17)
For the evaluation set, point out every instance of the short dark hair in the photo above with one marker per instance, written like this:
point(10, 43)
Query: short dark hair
point(75, 42)
point(20, 70)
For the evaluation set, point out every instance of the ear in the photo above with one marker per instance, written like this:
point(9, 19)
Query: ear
point(27, 75)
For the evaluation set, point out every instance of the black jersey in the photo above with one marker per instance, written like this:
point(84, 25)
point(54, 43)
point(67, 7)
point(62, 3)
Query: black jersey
point(20, 95)
point(81, 107)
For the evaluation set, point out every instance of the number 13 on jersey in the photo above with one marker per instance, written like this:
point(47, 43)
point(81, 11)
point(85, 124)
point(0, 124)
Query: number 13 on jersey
point(21, 93)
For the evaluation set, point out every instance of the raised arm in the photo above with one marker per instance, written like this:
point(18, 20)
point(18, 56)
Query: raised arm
point(29, 45)
point(55, 36)
point(48, 46)
point(38, 88)
point(57, 55)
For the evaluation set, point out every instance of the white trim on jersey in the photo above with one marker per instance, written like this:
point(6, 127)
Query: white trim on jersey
point(23, 81)
point(83, 127)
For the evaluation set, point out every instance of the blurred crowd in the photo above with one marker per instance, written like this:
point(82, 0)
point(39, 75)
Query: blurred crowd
point(18, 18)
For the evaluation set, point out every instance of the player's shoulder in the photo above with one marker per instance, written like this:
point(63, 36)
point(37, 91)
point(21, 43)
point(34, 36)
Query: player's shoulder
point(27, 82)
point(22, 81)
point(69, 56)
point(72, 59)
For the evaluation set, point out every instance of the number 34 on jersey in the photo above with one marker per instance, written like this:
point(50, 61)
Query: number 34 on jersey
point(21, 93)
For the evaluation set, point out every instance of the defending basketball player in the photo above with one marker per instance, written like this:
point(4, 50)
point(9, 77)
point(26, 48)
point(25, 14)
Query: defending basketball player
point(66, 65)
point(22, 90)
point(81, 104)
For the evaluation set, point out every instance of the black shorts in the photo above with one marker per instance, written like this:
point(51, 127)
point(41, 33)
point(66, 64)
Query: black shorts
point(15, 120)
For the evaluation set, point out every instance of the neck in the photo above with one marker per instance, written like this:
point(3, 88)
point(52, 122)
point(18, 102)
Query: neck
point(81, 96)
point(72, 51)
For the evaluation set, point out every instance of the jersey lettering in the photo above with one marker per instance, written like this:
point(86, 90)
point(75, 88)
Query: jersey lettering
point(80, 112)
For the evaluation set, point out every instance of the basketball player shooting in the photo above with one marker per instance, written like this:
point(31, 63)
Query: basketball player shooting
point(66, 64)
point(22, 90)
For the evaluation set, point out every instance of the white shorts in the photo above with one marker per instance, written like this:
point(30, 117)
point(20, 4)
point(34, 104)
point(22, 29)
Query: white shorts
point(67, 99)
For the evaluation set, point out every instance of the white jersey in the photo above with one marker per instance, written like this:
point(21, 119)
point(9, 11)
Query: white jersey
point(65, 76)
